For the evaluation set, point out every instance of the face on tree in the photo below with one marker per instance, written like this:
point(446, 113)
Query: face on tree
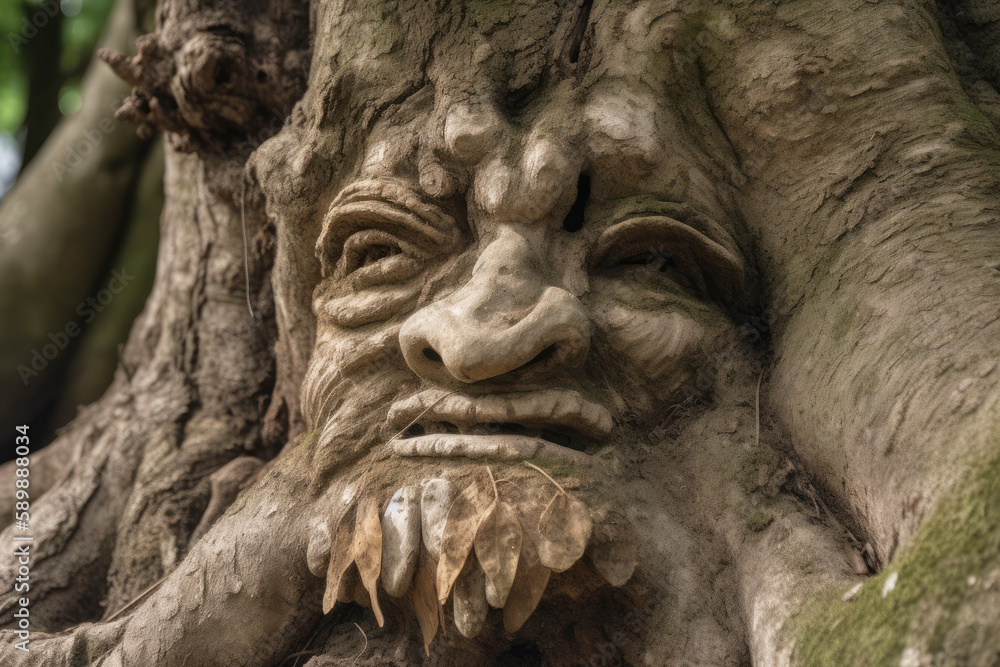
point(497, 287)
point(514, 298)
point(496, 247)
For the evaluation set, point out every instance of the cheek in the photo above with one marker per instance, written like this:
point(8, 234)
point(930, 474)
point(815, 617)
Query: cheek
point(658, 345)
point(349, 366)
point(352, 309)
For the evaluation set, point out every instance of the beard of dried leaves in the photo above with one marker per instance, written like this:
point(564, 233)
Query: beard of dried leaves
point(422, 531)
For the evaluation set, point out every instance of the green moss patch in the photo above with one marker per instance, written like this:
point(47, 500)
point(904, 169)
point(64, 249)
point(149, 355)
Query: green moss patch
point(946, 599)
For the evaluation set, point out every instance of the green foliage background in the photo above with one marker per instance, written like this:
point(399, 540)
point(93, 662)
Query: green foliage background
point(82, 26)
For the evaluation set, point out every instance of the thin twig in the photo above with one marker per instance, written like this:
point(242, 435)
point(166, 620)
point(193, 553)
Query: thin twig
point(496, 494)
point(417, 418)
point(532, 465)
point(246, 245)
point(366, 642)
point(139, 598)
point(297, 656)
point(759, 378)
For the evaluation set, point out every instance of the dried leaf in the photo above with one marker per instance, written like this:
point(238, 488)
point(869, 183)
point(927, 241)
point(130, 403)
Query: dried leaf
point(563, 531)
point(349, 585)
point(341, 557)
point(498, 544)
point(469, 599)
point(400, 540)
point(529, 584)
point(425, 601)
point(612, 549)
point(359, 594)
point(368, 551)
point(460, 529)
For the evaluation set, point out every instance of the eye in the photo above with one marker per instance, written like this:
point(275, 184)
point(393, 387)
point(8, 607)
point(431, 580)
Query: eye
point(378, 232)
point(656, 257)
point(660, 253)
point(360, 252)
point(665, 266)
point(374, 256)
point(657, 260)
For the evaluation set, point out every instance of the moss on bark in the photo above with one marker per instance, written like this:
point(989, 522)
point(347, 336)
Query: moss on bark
point(939, 599)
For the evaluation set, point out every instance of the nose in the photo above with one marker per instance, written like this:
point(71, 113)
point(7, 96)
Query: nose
point(506, 318)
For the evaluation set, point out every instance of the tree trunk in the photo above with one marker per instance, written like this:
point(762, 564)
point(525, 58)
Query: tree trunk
point(73, 207)
point(715, 282)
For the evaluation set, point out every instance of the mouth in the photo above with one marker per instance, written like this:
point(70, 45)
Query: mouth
point(558, 424)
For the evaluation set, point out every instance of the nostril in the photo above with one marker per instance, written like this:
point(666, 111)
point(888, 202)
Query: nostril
point(574, 219)
point(431, 354)
point(542, 356)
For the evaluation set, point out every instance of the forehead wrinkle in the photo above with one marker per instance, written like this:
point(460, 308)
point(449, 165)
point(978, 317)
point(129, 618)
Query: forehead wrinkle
point(536, 180)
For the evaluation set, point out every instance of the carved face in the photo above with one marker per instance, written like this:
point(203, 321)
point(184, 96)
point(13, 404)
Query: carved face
point(528, 281)
point(526, 291)
point(493, 295)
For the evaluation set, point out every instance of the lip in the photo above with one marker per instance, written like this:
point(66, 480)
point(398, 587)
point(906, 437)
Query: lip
point(544, 410)
point(548, 408)
point(485, 447)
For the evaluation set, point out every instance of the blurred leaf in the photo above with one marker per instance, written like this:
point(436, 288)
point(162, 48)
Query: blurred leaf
point(80, 33)
point(69, 98)
point(13, 97)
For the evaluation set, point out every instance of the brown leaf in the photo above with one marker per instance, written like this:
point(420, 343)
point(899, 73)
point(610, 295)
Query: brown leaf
point(469, 599)
point(563, 531)
point(435, 501)
point(358, 594)
point(460, 528)
point(341, 557)
point(368, 551)
point(349, 585)
point(498, 544)
point(529, 584)
point(425, 601)
point(441, 619)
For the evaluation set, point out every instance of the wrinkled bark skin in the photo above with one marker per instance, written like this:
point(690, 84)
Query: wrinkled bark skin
point(196, 360)
point(822, 495)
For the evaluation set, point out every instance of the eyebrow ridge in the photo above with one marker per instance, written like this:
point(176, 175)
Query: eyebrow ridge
point(363, 203)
